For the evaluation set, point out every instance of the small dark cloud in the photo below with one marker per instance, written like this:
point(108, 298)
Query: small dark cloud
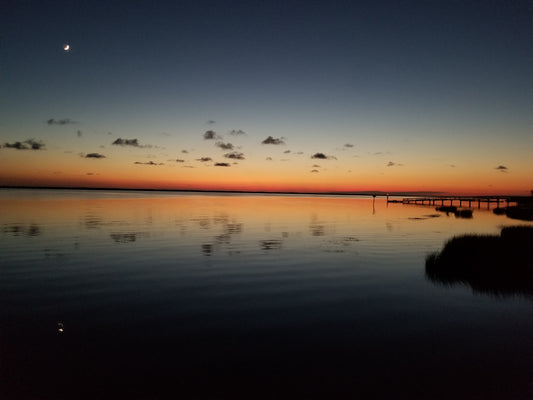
point(237, 132)
point(316, 166)
point(502, 168)
point(234, 155)
point(286, 151)
point(185, 152)
point(204, 159)
point(179, 160)
point(109, 133)
point(148, 163)
point(30, 144)
point(224, 146)
point(271, 140)
point(79, 133)
point(94, 155)
point(64, 121)
point(349, 145)
point(126, 142)
point(300, 153)
point(314, 170)
point(394, 164)
point(268, 158)
point(210, 134)
point(322, 156)
point(221, 164)
point(210, 122)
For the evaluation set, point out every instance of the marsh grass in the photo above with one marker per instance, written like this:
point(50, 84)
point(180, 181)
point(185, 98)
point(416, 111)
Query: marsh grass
point(499, 265)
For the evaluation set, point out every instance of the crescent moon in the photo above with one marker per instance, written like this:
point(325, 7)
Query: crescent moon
point(66, 47)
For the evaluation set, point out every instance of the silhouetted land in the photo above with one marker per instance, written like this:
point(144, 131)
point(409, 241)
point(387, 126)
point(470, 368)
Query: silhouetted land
point(499, 265)
point(524, 213)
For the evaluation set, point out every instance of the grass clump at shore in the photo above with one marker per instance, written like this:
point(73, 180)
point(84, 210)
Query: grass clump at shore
point(500, 265)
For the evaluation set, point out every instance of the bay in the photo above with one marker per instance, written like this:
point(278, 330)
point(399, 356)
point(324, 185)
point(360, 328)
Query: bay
point(125, 294)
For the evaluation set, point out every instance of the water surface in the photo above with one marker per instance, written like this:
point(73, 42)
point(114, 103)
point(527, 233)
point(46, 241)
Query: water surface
point(159, 295)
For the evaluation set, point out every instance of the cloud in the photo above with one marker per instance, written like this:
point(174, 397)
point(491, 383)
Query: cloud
point(210, 134)
point(30, 144)
point(185, 152)
point(126, 142)
point(349, 145)
point(64, 121)
point(271, 140)
point(79, 133)
point(502, 168)
point(234, 155)
point(287, 151)
point(224, 146)
point(268, 158)
point(210, 122)
point(393, 164)
point(316, 166)
point(221, 164)
point(322, 156)
point(237, 132)
point(314, 170)
point(148, 163)
point(204, 159)
point(94, 155)
point(179, 160)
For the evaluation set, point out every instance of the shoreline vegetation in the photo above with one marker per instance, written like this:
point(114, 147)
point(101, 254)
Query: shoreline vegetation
point(490, 264)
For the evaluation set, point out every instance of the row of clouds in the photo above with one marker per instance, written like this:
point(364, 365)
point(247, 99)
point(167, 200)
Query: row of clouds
point(32, 144)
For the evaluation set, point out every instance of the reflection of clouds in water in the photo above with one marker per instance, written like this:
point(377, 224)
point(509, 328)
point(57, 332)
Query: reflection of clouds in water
point(316, 228)
point(203, 222)
point(92, 222)
point(207, 249)
point(271, 244)
point(18, 230)
point(229, 229)
point(232, 229)
point(340, 245)
point(126, 237)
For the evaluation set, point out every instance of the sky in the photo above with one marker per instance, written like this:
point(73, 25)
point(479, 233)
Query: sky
point(300, 96)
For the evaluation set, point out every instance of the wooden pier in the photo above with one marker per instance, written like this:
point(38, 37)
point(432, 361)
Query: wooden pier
point(466, 201)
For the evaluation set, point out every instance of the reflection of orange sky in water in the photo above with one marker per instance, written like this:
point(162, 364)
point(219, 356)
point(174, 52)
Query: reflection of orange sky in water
point(334, 215)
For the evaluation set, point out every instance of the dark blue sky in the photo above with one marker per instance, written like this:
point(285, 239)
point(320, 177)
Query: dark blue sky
point(315, 72)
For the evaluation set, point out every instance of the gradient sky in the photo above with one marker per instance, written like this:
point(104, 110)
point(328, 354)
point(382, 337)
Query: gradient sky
point(377, 95)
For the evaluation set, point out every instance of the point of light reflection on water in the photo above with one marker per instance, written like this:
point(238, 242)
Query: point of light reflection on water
point(135, 294)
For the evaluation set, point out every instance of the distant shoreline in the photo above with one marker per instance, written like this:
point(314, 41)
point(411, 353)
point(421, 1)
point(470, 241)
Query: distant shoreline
point(354, 193)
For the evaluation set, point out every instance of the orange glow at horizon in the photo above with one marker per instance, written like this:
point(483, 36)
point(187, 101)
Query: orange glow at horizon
point(43, 169)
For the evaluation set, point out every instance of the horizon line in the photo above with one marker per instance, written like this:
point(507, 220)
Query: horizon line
point(376, 193)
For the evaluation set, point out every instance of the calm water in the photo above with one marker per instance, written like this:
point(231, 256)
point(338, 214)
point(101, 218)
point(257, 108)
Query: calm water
point(162, 295)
